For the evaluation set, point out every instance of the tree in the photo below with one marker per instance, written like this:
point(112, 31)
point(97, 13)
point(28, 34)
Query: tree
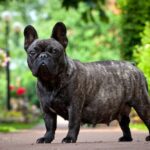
point(92, 5)
point(134, 16)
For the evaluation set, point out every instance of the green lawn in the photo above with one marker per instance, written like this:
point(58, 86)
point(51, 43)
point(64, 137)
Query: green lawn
point(138, 126)
point(13, 127)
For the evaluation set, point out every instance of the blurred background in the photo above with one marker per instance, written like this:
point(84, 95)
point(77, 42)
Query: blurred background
point(97, 30)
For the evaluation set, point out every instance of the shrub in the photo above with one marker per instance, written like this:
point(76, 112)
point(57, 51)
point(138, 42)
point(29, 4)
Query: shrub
point(142, 52)
point(134, 15)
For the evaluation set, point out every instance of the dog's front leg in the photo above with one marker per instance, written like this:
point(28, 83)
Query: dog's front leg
point(50, 120)
point(74, 125)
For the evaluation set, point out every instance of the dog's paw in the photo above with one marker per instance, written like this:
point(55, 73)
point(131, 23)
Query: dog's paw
point(125, 139)
point(68, 140)
point(40, 140)
point(147, 138)
point(44, 140)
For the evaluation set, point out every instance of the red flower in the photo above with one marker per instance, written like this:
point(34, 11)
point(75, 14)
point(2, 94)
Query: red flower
point(20, 91)
point(11, 88)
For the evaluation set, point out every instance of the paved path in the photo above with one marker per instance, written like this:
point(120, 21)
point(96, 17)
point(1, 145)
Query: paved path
point(89, 139)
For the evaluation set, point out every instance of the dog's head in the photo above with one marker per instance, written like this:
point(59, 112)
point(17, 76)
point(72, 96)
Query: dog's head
point(46, 58)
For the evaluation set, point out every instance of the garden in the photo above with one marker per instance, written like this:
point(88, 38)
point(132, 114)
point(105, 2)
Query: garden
point(97, 30)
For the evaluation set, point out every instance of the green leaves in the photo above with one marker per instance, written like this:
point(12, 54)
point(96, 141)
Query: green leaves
point(92, 6)
point(142, 52)
point(103, 16)
point(134, 15)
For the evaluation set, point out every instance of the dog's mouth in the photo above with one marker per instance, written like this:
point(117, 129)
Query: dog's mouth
point(43, 68)
point(43, 71)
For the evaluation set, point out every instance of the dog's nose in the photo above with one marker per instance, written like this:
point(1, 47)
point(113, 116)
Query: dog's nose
point(43, 55)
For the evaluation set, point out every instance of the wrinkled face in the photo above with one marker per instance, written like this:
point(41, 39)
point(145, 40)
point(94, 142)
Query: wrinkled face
point(46, 58)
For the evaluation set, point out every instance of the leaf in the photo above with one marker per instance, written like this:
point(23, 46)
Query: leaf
point(103, 16)
point(85, 16)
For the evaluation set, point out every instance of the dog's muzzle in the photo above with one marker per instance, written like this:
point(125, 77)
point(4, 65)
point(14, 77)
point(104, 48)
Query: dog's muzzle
point(43, 55)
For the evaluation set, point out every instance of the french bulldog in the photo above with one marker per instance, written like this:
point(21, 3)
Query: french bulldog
point(96, 92)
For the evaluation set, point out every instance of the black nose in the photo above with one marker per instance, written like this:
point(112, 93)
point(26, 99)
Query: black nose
point(43, 55)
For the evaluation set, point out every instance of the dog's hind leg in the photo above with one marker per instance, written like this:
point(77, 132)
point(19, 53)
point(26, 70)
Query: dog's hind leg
point(142, 107)
point(124, 121)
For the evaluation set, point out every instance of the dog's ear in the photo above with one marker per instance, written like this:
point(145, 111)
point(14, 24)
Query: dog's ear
point(30, 35)
point(59, 33)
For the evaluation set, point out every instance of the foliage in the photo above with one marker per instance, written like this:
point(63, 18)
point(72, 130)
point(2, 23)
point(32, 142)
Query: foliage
point(22, 115)
point(5, 128)
point(88, 13)
point(11, 114)
point(138, 126)
point(142, 52)
point(134, 15)
point(14, 127)
point(30, 87)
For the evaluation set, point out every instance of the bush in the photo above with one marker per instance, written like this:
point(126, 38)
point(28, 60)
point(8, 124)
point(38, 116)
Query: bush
point(142, 52)
point(134, 15)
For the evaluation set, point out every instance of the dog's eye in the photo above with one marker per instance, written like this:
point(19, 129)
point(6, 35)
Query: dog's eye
point(36, 49)
point(54, 51)
point(31, 53)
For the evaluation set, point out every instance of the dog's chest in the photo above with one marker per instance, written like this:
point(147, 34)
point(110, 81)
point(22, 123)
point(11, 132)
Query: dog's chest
point(59, 103)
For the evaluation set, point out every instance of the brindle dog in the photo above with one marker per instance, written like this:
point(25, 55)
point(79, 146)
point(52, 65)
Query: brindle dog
point(96, 92)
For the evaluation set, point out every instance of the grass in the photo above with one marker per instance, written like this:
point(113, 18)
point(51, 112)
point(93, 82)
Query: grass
point(138, 126)
point(13, 127)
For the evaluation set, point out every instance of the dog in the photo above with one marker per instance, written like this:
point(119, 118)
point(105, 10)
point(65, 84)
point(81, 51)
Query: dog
point(96, 92)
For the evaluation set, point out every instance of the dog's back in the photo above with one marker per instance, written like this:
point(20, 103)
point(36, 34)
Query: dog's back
point(107, 87)
point(118, 76)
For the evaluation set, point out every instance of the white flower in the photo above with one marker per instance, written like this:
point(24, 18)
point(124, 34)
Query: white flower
point(3, 58)
point(17, 26)
point(6, 16)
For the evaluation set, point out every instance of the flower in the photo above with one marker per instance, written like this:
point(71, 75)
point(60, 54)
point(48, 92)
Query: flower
point(21, 91)
point(6, 16)
point(17, 27)
point(17, 92)
point(11, 88)
point(3, 59)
